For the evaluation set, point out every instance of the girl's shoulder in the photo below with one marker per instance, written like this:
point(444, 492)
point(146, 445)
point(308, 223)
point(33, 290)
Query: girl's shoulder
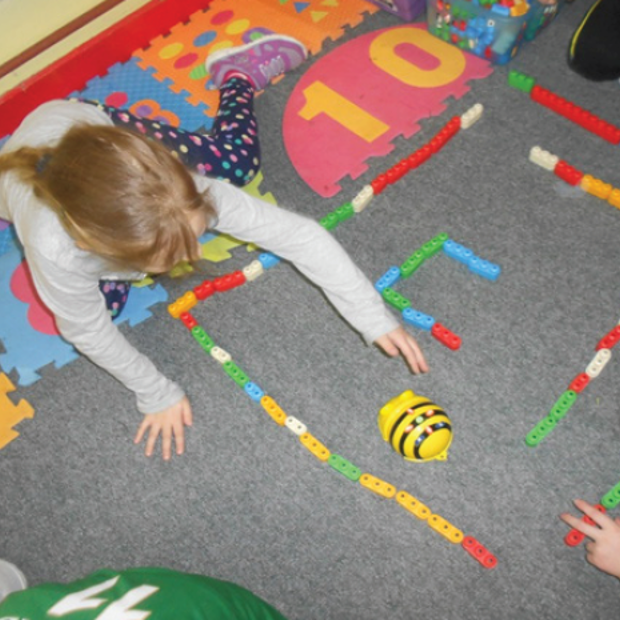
point(50, 121)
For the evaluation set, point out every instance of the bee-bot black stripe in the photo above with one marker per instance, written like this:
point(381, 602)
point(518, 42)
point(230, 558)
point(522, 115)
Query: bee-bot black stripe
point(424, 403)
point(397, 424)
point(401, 443)
point(435, 408)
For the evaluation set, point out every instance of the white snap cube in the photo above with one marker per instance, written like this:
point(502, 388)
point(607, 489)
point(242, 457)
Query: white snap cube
point(598, 363)
point(471, 116)
point(253, 270)
point(361, 201)
point(220, 355)
point(543, 158)
point(293, 424)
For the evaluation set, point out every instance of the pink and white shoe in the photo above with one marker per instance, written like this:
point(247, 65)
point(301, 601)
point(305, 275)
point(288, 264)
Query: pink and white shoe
point(258, 61)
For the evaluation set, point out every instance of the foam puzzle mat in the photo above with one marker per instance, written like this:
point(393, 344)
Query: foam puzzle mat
point(11, 413)
point(28, 332)
point(7, 236)
point(352, 103)
point(129, 87)
point(179, 56)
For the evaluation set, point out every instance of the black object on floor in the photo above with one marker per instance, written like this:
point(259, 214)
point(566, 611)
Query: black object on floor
point(594, 50)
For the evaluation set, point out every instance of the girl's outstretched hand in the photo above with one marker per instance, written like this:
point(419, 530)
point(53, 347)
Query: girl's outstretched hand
point(399, 341)
point(169, 422)
point(603, 551)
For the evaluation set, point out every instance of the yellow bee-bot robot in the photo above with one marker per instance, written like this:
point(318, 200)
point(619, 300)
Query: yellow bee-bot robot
point(415, 427)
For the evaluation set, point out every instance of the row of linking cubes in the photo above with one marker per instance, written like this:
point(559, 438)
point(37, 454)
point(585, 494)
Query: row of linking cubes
point(571, 175)
point(403, 167)
point(579, 116)
point(565, 108)
point(600, 189)
point(577, 385)
point(385, 284)
point(319, 450)
point(180, 309)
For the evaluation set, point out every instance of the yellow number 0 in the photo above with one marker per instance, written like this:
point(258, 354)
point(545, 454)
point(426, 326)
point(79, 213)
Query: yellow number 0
point(451, 59)
point(321, 99)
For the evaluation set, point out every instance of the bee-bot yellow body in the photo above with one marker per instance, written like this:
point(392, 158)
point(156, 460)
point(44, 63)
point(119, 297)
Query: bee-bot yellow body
point(415, 427)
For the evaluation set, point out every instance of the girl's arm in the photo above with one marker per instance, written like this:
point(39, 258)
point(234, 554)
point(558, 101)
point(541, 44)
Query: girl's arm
point(313, 250)
point(83, 319)
point(317, 254)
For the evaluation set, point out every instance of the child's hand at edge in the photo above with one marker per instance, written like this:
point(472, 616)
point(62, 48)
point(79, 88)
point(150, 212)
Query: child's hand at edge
point(399, 341)
point(169, 423)
point(603, 551)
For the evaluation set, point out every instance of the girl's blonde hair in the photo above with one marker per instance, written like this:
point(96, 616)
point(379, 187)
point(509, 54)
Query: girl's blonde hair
point(121, 195)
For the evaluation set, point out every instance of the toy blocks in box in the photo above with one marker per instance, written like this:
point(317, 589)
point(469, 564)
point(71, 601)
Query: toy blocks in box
point(491, 29)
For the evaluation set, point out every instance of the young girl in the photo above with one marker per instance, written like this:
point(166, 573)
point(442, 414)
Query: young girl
point(95, 202)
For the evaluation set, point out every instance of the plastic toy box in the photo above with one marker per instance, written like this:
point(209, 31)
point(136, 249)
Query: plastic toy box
point(405, 9)
point(491, 29)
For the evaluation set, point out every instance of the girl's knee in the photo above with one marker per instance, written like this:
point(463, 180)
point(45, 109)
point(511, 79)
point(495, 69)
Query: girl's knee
point(245, 179)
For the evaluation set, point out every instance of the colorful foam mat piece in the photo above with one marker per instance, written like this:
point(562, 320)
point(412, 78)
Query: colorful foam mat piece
point(27, 330)
point(129, 87)
point(11, 413)
point(7, 237)
point(179, 55)
point(351, 103)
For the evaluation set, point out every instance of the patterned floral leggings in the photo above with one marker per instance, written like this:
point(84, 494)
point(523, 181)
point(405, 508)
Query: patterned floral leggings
point(230, 152)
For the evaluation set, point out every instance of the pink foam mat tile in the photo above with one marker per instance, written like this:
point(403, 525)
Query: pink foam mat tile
point(352, 103)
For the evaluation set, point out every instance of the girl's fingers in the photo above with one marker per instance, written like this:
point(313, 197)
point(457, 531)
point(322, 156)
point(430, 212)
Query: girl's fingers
point(596, 515)
point(141, 430)
point(187, 415)
point(399, 341)
point(166, 443)
point(150, 442)
point(414, 356)
point(581, 526)
point(179, 437)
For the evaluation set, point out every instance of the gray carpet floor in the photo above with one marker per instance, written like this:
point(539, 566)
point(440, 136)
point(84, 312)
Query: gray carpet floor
point(248, 504)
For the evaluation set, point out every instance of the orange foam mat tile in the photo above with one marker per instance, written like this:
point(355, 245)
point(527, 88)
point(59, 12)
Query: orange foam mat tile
point(11, 413)
point(316, 20)
point(178, 57)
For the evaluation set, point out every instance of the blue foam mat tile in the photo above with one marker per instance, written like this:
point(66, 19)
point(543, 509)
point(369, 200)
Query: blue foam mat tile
point(128, 86)
point(26, 350)
point(139, 301)
point(8, 239)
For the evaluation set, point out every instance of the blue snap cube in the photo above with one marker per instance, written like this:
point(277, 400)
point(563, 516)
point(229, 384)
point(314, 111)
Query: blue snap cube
point(389, 278)
point(268, 260)
point(253, 391)
point(457, 251)
point(484, 268)
point(418, 319)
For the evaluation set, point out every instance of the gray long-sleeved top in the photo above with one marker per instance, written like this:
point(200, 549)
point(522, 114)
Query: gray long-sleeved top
point(67, 277)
